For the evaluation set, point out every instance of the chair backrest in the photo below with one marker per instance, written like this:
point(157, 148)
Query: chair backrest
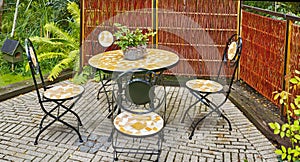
point(139, 91)
point(34, 66)
point(231, 58)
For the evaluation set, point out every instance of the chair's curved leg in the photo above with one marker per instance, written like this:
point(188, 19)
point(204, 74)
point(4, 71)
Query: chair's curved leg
point(198, 122)
point(77, 116)
point(46, 114)
point(229, 124)
point(70, 126)
point(42, 130)
point(113, 110)
point(115, 156)
point(216, 108)
point(69, 109)
point(188, 109)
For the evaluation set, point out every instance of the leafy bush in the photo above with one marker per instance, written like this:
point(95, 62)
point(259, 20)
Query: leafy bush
point(31, 19)
point(291, 101)
point(63, 44)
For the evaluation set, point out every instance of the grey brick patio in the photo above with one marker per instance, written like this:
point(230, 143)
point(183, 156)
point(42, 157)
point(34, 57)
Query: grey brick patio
point(20, 116)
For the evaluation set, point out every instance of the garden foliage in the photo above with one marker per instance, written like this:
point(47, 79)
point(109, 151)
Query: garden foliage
point(291, 130)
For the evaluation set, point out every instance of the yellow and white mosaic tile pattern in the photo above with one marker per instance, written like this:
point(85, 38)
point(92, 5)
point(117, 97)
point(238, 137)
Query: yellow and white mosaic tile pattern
point(114, 61)
point(232, 50)
point(203, 85)
point(63, 91)
point(138, 125)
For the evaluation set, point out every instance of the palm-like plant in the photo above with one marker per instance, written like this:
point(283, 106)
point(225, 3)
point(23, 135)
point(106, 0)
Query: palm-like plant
point(62, 44)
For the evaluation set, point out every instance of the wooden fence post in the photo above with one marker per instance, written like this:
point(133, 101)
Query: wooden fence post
point(286, 68)
point(155, 22)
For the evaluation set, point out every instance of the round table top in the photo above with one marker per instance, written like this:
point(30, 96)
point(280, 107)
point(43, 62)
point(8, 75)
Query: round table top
point(113, 61)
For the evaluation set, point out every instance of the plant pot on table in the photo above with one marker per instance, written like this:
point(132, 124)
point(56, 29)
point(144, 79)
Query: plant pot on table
point(135, 53)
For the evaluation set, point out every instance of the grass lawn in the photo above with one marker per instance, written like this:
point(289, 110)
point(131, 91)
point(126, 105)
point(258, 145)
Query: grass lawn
point(7, 79)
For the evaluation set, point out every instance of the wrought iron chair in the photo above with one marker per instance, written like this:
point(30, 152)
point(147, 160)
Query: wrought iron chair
point(63, 96)
point(204, 90)
point(141, 97)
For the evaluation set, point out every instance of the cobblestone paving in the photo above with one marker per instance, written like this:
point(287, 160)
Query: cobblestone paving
point(20, 116)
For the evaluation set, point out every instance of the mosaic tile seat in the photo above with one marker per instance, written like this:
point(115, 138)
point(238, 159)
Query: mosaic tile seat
point(139, 125)
point(65, 91)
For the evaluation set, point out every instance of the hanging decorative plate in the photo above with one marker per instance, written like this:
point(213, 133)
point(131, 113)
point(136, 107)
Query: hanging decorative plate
point(105, 38)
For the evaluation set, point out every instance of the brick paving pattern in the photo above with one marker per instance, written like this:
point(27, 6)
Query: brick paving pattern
point(21, 115)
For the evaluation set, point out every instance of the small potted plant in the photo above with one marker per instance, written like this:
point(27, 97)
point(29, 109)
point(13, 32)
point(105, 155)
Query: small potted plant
point(133, 43)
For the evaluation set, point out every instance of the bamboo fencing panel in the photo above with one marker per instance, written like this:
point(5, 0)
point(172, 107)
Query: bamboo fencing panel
point(262, 60)
point(196, 30)
point(294, 61)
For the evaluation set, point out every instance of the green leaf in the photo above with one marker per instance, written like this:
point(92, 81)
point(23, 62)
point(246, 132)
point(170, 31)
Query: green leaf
point(283, 156)
point(297, 72)
point(292, 106)
point(294, 80)
point(272, 125)
point(296, 122)
point(282, 134)
point(284, 127)
point(297, 136)
point(281, 101)
point(276, 131)
point(289, 157)
point(276, 96)
point(278, 152)
point(283, 148)
point(297, 112)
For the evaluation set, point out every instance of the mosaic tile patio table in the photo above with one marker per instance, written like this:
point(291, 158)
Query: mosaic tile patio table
point(113, 62)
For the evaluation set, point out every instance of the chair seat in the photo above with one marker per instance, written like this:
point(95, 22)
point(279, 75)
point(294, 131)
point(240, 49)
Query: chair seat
point(138, 124)
point(203, 85)
point(65, 91)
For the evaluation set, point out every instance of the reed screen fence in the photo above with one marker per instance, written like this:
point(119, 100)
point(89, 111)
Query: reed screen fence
point(196, 30)
point(271, 53)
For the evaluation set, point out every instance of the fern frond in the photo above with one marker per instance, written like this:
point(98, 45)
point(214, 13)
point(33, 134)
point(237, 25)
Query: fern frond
point(50, 55)
point(45, 40)
point(62, 65)
point(51, 27)
point(74, 54)
point(75, 12)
